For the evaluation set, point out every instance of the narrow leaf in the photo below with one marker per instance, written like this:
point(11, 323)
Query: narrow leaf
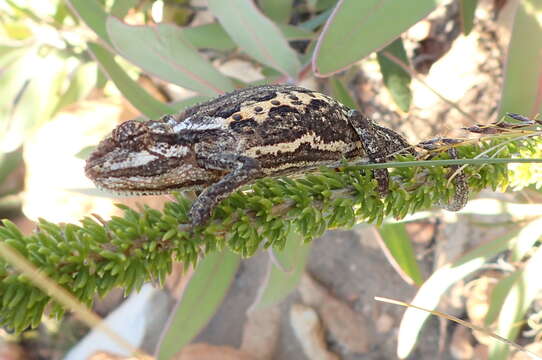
point(350, 33)
point(522, 92)
point(199, 302)
point(256, 35)
point(396, 79)
point(522, 293)
point(399, 245)
point(164, 51)
point(131, 90)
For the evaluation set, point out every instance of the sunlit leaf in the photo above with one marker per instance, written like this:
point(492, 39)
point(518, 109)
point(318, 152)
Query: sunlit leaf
point(82, 82)
point(35, 100)
point(431, 291)
point(131, 90)
point(164, 51)
point(349, 34)
point(524, 290)
point(256, 35)
point(199, 302)
point(396, 79)
point(399, 246)
point(280, 282)
point(522, 92)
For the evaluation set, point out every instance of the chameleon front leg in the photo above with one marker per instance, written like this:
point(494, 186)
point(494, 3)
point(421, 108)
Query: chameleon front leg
point(373, 146)
point(242, 169)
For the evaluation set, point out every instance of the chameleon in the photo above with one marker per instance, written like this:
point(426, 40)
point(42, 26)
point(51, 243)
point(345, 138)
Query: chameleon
point(230, 141)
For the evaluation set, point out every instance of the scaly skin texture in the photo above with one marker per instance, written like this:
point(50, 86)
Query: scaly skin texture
point(225, 143)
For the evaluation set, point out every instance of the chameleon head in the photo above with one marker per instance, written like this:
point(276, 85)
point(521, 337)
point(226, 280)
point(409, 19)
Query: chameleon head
point(144, 158)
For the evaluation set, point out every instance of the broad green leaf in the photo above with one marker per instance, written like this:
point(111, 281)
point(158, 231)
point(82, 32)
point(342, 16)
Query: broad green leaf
point(209, 36)
point(256, 35)
point(82, 82)
point(213, 36)
point(277, 10)
point(164, 51)
point(399, 246)
point(431, 291)
point(357, 28)
point(93, 14)
point(339, 92)
point(519, 298)
point(467, 8)
point(280, 282)
point(199, 302)
point(131, 90)
point(522, 92)
point(396, 79)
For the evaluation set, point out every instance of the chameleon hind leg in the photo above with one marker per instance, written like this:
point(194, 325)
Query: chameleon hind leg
point(461, 195)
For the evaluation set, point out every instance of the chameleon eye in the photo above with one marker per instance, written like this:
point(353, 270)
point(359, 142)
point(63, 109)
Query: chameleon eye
point(128, 131)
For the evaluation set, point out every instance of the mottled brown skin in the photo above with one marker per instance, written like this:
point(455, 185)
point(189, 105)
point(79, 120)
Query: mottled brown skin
point(236, 138)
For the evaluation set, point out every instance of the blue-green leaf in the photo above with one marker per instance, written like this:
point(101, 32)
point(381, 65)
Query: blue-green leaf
point(164, 51)
point(350, 33)
point(256, 35)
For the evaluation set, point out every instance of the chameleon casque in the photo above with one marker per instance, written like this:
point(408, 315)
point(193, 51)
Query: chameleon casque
point(227, 142)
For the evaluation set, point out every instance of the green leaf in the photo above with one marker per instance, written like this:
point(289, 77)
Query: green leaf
point(131, 90)
point(339, 92)
point(279, 11)
point(431, 291)
point(199, 302)
point(350, 33)
point(93, 14)
point(396, 79)
point(9, 162)
point(498, 295)
point(164, 51)
point(280, 282)
point(522, 91)
point(209, 36)
point(522, 293)
point(399, 245)
point(256, 35)
point(467, 9)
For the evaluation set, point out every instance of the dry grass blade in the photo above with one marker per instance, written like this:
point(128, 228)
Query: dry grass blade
point(463, 323)
point(63, 297)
